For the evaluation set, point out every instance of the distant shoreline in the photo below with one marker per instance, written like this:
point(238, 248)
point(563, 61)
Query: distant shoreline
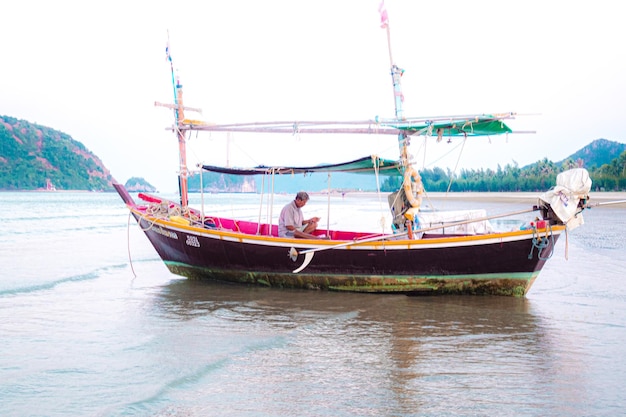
point(511, 197)
point(55, 191)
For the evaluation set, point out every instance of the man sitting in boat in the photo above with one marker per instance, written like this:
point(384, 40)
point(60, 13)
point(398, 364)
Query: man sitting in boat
point(291, 222)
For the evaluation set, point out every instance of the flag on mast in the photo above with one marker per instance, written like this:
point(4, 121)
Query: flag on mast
point(384, 18)
point(168, 56)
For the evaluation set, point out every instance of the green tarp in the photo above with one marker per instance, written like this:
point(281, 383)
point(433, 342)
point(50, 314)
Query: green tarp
point(479, 126)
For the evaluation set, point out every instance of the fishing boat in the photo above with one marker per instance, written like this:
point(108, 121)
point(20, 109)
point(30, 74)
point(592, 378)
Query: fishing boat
point(424, 252)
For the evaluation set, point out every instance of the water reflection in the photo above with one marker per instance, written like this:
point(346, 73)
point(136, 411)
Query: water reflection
point(400, 354)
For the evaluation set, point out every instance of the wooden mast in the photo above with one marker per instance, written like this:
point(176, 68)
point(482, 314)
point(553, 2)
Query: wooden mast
point(182, 147)
point(179, 112)
point(396, 74)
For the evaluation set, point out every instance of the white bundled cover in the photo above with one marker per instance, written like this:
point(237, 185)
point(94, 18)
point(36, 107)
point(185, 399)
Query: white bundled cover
point(571, 186)
point(435, 218)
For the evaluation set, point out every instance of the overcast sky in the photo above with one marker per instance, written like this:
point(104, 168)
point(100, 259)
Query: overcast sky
point(94, 70)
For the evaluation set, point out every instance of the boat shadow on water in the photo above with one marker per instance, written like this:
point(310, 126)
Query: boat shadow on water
point(420, 339)
point(399, 315)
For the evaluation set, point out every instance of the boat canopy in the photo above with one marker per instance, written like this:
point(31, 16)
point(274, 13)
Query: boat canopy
point(478, 126)
point(365, 165)
point(465, 125)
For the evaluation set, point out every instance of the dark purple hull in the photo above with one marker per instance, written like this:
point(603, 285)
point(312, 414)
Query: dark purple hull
point(504, 263)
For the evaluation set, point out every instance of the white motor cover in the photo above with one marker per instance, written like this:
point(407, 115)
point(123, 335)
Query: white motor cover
point(571, 187)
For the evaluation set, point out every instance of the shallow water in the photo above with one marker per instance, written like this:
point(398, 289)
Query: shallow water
point(82, 335)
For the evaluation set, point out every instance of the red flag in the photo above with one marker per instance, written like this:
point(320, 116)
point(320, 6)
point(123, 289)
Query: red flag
point(384, 18)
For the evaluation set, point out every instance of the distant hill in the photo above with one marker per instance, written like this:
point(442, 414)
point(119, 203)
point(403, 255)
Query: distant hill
point(593, 156)
point(340, 181)
point(139, 185)
point(34, 156)
point(597, 153)
point(215, 182)
point(610, 175)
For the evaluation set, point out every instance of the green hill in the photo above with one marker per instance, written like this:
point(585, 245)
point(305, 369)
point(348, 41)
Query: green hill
point(605, 160)
point(597, 153)
point(138, 185)
point(214, 182)
point(32, 156)
point(537, 176)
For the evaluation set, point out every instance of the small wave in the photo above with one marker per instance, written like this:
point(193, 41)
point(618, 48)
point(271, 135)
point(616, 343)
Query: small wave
point(55, 231)
point(184, 381)
point(161, 398)
point(52, 284)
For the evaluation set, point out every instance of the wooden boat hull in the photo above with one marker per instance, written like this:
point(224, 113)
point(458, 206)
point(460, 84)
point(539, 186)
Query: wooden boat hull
point(501, 263)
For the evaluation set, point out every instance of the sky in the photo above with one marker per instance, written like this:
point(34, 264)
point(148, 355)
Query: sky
point(94, 70)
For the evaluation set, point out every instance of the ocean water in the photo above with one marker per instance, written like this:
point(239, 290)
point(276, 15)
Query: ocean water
point(93, 324)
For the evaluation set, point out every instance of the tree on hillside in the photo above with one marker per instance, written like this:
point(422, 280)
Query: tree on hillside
point(612, 176)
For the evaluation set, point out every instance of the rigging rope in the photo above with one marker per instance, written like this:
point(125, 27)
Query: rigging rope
point(130, 260)
point(457, 163)
point(258, 227)
point(328, 207)
point(163, 211)
point(541, 243)
point(380, 203)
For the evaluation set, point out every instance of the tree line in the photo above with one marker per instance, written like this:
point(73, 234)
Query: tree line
point(537, 177)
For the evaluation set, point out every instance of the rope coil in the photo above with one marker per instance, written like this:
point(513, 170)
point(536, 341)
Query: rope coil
point(542, 243)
